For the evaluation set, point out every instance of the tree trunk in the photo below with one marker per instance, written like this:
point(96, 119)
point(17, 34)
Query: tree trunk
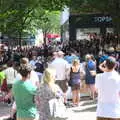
point(45, 34)
point(116, 24)
point(116, 17)
point(45, 49)
point(20, 39)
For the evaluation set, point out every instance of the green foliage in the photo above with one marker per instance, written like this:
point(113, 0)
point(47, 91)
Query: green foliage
point(53, 5)
point(50, 22)
point(20, 16)
point(106, 6)
point(111, 7)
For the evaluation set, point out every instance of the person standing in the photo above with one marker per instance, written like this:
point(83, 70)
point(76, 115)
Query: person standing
point(108, 88)
point(24, 92)
point(33, 79)
point(10, 74)
point(90, 68)
point(75, 81)
point(48, 90)
point(62, 68)
point(33, 61)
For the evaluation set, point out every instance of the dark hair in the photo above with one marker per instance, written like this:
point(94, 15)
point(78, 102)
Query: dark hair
point(25, 70)
point(110, 63)
point(10, 63)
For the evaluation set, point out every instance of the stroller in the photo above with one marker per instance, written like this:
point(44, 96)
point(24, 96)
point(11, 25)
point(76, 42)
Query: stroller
point(3, 90)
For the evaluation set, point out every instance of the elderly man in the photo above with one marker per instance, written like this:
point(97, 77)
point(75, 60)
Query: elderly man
point(62, 68)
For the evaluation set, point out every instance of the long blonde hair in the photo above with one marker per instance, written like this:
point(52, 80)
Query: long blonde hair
point(49, 78)
point(49, 75)
point(75, 62)
point(75, 65)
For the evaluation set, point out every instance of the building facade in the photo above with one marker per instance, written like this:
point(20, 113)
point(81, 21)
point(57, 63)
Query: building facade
point(78, 26)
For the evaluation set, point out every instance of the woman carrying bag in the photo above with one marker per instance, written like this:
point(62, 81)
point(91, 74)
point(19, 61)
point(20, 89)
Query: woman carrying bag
point(49, 98)
point(74, 81)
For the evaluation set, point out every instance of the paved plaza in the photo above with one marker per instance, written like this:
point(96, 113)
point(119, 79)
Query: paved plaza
point(85, 111)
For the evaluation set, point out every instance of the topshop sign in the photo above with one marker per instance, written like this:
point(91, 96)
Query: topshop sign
point(103, 19)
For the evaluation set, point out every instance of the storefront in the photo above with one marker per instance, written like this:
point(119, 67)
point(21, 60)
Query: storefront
point(77, 27)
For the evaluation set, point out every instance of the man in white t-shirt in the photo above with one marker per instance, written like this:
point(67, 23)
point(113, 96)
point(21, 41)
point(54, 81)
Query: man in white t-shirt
point(62, 68)
point(10, 74)
point(108, 88)
point(33, 61)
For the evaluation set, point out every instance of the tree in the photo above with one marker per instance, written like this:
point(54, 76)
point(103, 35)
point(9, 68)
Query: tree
point(19, 15)
point(49, 23)
point(16, 16)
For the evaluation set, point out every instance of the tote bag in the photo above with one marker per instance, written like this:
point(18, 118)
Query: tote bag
point(57, 109)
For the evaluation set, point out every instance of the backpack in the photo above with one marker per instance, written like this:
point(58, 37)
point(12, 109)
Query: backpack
point(39, 67)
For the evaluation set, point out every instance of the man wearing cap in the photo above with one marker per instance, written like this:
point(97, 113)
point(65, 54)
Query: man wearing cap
point(62, 68)
point(108, 88)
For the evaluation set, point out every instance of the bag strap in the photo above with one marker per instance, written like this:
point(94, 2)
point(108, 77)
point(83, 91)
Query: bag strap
point(70, 71)
point(87, 67)
point(14, 73)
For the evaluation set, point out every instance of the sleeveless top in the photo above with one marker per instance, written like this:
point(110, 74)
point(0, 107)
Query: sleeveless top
point(75, 76)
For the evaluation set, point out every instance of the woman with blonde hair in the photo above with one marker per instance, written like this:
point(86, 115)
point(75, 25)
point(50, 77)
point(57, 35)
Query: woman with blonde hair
point(75, 81)
point(48, 90)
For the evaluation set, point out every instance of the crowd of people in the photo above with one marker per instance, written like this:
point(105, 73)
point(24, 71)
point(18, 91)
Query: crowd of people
point(95, 43)
point(30, 85)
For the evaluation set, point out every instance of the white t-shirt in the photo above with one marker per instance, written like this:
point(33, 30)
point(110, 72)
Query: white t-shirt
point(61, 67)
point(33, 62)
point(33, 78)
point(108, 86)
point(11, 74)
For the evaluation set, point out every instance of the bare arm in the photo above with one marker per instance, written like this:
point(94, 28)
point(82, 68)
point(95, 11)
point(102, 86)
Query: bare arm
point(102, 66)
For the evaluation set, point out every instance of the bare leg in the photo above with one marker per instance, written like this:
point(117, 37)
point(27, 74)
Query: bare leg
point(92, 89)
point(65, 98)
point(88, 89)
point(77, 97)
point(74, 96)
point(13, 110)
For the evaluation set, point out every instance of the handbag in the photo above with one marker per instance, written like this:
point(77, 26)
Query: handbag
point(93, 73)
point(57, 109)
point(70, 82)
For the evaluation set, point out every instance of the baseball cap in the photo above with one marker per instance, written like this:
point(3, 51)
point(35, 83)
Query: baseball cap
point(110, 62)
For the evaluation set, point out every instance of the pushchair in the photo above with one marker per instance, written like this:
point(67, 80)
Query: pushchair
point(3, 90)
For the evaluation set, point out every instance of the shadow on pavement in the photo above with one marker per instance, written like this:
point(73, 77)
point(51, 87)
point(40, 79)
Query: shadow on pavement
point(89, 103)
point(90, 109)
point(4, 111)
